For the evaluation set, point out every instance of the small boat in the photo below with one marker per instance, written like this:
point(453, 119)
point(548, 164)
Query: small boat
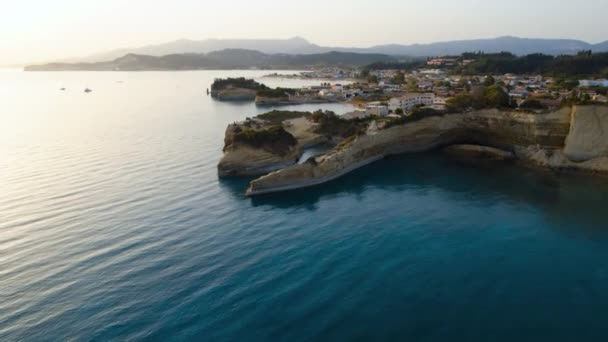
point(87, 90)
point(62, 89)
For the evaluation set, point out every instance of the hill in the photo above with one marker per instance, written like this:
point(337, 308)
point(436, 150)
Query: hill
point(298, 46)
point(515, 45)
point(294, 45)
point(225, 59)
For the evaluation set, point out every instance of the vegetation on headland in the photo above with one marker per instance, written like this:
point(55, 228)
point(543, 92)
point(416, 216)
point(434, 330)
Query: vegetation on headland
point(330, 124)
point(275, 93)
point(274, 139)
point(278, 116)
point(485, 97)
point(240, 82)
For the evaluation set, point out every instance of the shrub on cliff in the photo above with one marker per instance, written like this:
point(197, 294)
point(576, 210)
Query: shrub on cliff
point(278, 92)
point(532, 104)
point(274, 139)
point(278, 116)
point(331, 124)
point(493, 96)
point(459, 103)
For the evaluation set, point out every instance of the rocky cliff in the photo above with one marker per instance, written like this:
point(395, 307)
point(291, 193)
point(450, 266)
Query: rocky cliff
point(588, 138)
point(570, 138)
point(256, 147)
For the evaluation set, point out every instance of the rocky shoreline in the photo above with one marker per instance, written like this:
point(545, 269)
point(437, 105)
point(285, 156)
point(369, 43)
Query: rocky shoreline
point(570, 138)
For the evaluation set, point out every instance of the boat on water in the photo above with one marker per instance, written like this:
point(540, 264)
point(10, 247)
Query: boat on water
point(87, 90)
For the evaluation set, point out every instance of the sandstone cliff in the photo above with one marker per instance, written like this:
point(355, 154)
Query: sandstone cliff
point(570, 138)
point(257, 147)
point(511, 131)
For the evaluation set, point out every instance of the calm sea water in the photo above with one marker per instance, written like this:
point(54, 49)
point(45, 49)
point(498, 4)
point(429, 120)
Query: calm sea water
point(114, 226)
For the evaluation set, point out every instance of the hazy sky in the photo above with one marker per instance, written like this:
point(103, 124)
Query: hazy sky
point(39, 30)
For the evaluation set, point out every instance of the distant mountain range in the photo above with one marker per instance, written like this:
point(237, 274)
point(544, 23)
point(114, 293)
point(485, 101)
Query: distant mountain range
point(224, 59)
point(298, 46)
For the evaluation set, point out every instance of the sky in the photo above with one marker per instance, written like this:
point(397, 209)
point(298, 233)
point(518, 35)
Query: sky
point(43, 30)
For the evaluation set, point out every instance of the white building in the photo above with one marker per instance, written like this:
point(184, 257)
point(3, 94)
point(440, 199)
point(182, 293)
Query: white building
point(376, 109)
point(409, 101)
point(439, 103)
point(593, 83)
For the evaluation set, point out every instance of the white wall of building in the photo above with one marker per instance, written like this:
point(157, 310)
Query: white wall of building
point(409, 101)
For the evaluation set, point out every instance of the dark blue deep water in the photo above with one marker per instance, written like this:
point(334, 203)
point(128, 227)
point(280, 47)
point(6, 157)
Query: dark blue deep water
point(114, 226)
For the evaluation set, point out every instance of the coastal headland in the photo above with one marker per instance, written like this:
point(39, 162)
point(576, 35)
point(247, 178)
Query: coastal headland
point(570, 138)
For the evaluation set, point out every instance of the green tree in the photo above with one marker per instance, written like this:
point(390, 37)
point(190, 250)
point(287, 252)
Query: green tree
point(586, 98)
point(489, 81)
point(399, 111)
point(494, 96)
point(372, 79)
point(532, 104)
point(317, 116)
point(412, 84)
point(399, 78)
point(459, 103)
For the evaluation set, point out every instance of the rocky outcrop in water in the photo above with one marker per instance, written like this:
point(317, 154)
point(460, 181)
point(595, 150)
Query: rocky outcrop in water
point(256, 146)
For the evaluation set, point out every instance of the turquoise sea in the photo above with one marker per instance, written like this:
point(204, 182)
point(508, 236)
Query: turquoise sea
point(115, 227)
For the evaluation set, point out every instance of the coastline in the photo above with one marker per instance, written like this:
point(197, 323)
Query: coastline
point(550, 141)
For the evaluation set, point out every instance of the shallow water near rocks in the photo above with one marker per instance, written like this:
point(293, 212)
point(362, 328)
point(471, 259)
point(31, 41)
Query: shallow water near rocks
point(115, 226)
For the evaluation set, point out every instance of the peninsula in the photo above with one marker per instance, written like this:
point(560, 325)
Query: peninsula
point(539, 110)
point(570, 138)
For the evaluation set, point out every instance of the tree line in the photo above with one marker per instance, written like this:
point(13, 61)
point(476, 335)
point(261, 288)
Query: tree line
point(583, 64)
